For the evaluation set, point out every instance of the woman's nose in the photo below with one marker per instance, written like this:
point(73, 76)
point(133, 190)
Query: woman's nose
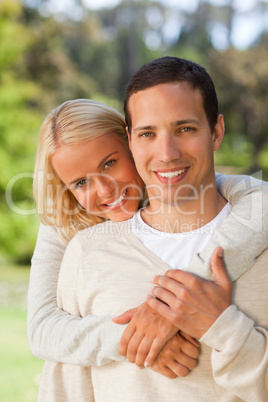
point(105, 186)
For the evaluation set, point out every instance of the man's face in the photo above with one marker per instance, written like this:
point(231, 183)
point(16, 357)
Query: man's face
point(172, 143)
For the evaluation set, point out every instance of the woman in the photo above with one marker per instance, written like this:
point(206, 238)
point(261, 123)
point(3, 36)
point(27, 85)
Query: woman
point(78, 137)
point(78, 185)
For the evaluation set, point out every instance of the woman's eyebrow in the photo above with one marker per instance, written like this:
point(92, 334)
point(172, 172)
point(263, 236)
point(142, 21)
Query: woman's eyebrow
point(75, 181)
point(106, 157)
point(99, 165)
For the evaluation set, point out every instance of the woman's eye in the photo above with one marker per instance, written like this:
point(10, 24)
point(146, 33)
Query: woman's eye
point(81, 183)
point(109, 163)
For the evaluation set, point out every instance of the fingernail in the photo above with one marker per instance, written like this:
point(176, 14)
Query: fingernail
point(146, 364)
point(220, 253)
point(153, 279)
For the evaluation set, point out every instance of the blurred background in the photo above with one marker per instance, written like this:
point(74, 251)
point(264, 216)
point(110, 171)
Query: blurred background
point(55, 50)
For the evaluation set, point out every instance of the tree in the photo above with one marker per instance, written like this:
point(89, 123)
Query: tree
point(19, 121)
point(242, 81)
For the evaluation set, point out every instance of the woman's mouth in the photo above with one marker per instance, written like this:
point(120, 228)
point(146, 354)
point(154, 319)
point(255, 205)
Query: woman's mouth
point(117, 201)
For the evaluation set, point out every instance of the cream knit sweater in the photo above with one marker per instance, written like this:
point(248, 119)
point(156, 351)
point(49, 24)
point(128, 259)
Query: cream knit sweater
point(75, 296)
point(53, 334)
point(98, 277)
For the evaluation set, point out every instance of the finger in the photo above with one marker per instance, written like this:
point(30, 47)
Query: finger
point(183, 370)
point(133, 346)
point(179, 369)
point(175, 280)
point(142, 352)
point(125, 339)
point(155, 349)
point(189, 338)
point(168, 297)
point(168, 280)
point(165, 371)
point(160, 307)
point(218, 268)
point(175, 274)
point(125, 317)
point(189, 350)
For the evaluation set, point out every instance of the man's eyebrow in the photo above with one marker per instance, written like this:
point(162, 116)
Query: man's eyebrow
point(99, 165)
point(187, 121)
point(142, 128)
point(175, 124)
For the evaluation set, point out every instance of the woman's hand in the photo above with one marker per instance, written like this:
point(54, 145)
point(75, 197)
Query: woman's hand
point(145, 336)
point(177, 357)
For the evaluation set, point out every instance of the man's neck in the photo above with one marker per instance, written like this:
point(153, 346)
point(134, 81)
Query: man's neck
point(185, 217)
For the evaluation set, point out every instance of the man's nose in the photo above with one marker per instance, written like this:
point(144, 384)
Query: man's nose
point(168, 148)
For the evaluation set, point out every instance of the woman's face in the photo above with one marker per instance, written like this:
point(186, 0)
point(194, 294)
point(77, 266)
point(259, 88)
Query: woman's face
point(101, 175)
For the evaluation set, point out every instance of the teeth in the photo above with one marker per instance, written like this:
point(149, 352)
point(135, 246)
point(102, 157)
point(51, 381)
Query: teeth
point(118, 200)
point(170, 175)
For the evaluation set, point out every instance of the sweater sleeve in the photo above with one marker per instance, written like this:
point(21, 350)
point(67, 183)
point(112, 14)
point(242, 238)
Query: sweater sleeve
point(248, 220)
point(239, 355)
point(52, 333)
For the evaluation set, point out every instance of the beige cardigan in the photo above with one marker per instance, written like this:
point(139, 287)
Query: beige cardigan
point(53, 334)
point(106, 270)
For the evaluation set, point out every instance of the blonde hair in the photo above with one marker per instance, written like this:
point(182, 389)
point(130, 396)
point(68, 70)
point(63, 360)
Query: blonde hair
point(71, 123)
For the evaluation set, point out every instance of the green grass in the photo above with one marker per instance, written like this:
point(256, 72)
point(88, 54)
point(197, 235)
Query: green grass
point(19, 369)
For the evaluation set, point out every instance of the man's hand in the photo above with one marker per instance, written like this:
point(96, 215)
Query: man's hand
point(177, 357)
point(145, 335)
point(190, 303)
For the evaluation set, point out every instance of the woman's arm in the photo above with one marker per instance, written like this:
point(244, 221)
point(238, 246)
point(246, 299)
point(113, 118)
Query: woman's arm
point(53, 334)
point(244, 234)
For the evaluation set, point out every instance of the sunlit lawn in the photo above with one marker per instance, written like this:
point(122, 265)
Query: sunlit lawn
point(19, 370)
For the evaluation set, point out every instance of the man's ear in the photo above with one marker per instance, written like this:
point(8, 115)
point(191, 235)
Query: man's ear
point(218, 132)
point(129, 138)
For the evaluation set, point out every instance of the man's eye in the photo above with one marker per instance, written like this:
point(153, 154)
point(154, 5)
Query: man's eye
point(146, 135)
point(186, 129)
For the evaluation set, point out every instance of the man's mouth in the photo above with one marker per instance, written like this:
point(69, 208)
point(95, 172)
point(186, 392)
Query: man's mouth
point(116, 202)
point(170, 175)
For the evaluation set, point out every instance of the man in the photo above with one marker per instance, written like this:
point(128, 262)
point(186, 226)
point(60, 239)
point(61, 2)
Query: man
point(174, 128)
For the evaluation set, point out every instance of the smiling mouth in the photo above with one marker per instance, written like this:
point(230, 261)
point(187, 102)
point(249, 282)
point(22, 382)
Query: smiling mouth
point(116, 202)
point(171, 175)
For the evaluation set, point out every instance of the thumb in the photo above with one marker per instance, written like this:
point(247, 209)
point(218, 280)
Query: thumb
point(218, 268)
point(125, 317)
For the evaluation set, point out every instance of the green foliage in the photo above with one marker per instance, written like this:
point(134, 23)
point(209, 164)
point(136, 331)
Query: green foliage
point(242, 79)
point(20, 370)
point(19, 124)
point(45, 61)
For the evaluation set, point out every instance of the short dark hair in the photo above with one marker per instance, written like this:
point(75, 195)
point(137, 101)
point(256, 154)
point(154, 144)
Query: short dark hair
point(173, 69)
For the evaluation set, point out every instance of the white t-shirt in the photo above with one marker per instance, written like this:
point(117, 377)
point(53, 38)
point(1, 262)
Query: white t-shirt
point(176, 249)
